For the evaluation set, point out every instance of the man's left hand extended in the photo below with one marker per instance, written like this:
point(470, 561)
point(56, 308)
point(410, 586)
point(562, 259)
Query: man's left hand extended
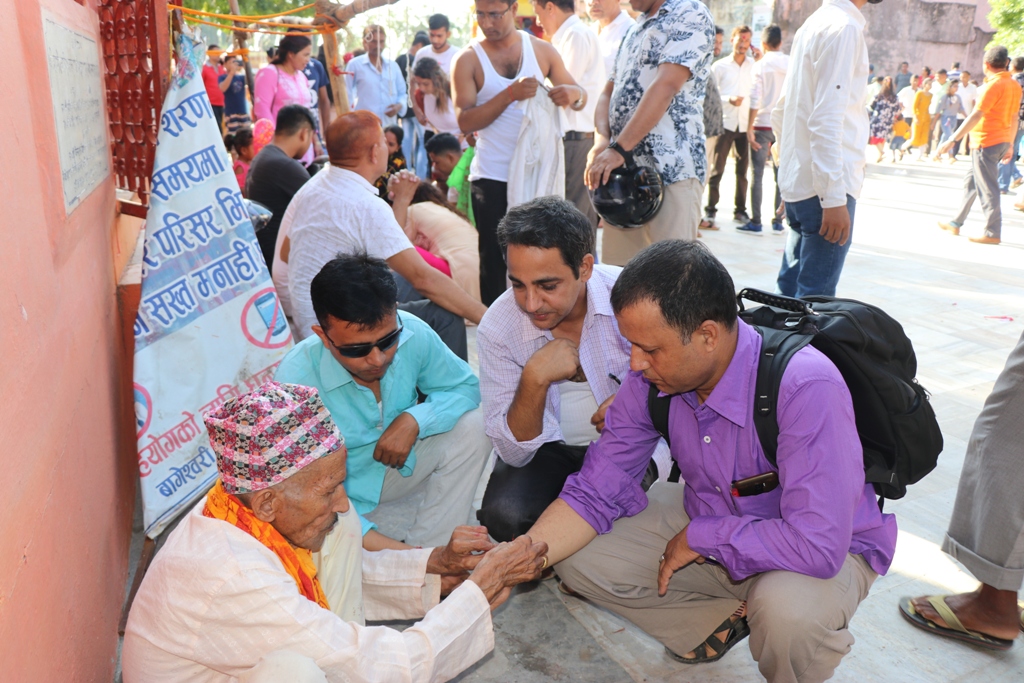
point(677, 555)
point(457, 558)
point(601, 167)
point(394, 444)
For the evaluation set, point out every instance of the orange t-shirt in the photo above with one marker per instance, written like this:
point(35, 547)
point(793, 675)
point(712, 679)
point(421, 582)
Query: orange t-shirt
point(999, 103)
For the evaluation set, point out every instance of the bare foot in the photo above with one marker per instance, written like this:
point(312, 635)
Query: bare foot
point(740, 612)
point(987, 610)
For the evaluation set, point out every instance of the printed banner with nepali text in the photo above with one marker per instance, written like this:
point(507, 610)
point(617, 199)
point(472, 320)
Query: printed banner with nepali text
point(209, 325)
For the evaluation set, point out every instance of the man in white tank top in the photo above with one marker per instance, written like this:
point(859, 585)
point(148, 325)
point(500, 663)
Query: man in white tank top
point(504, 68)
point(551, 357)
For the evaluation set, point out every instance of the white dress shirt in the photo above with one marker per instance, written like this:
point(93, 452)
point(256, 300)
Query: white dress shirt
point(581, 52)
point(610, 37)
point(768, 77)
point(506, 339)
point(969, 96)
point(376, 89)
point(337, 211)
point(216, 600)
point(906, 98)
point(735, 80)
point(820, 121)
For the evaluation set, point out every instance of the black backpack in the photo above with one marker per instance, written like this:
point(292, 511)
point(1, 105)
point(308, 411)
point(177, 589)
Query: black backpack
point(895, 421)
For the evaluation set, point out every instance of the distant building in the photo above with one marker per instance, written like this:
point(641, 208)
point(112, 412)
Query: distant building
point(920, 32)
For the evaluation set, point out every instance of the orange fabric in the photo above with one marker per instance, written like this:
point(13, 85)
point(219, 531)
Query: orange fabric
point(999, 103)
point(298, 562)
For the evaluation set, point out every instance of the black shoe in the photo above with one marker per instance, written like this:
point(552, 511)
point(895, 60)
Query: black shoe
point(741, 217)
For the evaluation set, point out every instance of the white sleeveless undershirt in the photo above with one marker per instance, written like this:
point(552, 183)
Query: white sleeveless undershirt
point(576, 406)
point(496, 142)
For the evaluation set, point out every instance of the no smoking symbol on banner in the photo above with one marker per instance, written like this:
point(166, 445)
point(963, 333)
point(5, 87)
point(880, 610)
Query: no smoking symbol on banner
point(263, 321)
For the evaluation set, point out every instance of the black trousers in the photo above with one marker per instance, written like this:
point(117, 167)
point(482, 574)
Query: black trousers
point(490, 202)
point(516, 496)
point(727, 140)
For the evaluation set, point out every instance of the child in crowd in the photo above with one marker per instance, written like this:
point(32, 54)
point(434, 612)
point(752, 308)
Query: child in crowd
point(240, 145)
point(900, 132)
point(396, 159)
point(950, 107)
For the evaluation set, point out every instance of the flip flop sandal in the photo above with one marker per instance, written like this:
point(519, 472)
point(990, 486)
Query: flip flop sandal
point(955, 630)
point(738, 630)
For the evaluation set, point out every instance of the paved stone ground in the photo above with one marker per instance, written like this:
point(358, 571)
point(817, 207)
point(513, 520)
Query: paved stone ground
point(954, 298)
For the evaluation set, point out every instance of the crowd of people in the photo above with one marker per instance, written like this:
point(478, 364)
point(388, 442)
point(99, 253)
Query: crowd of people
point(457, 191)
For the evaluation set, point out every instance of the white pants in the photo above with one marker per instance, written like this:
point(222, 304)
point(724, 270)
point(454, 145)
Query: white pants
point(449, 465)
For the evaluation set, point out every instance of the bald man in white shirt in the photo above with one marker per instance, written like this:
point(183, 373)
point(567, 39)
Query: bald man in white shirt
point(612, 25)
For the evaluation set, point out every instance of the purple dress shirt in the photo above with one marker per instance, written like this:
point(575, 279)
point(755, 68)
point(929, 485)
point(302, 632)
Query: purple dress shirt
point(822, 509)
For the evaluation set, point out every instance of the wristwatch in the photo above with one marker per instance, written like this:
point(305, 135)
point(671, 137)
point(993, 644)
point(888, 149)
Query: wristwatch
point(627, 156)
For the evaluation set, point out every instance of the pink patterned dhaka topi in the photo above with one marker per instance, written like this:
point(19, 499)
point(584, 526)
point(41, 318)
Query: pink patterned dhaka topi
point(267, 435)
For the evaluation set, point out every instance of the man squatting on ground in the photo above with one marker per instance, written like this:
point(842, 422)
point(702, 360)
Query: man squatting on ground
point(789, 566)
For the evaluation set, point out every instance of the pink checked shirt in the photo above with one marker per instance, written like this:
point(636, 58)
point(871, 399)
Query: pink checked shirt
point(506, 339)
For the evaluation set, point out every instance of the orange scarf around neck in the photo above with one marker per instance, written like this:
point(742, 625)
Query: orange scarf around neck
point(298, 562)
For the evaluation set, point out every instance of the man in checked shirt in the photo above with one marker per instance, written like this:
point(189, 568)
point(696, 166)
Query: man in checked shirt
point(551, 359)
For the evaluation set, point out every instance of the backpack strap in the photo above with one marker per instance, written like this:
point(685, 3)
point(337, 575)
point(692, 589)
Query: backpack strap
point(658, 407)
point(777, 348)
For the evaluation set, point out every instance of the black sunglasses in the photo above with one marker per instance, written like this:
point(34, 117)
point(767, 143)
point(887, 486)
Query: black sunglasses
point(364, 350)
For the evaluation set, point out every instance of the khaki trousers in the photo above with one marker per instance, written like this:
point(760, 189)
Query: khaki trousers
point(798, 624)
point(449, 467)
point(677, 220)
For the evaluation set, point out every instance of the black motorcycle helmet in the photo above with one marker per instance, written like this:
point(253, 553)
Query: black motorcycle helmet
point(631, 197)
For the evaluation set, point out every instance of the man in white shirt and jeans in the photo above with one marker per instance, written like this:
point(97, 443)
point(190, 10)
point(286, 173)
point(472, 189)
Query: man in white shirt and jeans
point(769, 76)
point(580, 50)
point(735, 77)
point(612, 25)
point(821, 128)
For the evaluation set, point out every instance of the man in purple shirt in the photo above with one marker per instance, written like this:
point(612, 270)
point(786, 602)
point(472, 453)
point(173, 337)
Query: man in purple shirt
point(788, 566)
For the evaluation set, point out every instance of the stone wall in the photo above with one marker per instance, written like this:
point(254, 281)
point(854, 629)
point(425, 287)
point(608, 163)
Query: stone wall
point(934, 34)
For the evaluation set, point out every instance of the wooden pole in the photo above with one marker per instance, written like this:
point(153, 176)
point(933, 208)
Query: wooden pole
point(241, 39)
point(341, 105)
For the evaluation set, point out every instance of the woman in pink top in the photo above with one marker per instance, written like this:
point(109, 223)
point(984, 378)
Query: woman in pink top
point(282, 82)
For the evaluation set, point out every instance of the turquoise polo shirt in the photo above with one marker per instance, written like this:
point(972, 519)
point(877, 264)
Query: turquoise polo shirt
point(422, 362)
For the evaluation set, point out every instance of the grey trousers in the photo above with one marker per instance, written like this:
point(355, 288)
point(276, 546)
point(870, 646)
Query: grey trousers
point(986, 532)
point(449, 327)
point(982, 182)
point(576, 152)
point(798, 624)
point(758, 159)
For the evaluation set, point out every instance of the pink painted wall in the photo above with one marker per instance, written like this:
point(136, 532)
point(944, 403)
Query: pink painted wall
point(67, 483)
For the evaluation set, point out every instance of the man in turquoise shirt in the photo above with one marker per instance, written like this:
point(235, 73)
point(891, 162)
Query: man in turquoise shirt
point(370, 363)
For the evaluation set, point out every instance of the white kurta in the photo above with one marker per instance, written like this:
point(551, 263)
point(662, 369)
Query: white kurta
point(215, 600)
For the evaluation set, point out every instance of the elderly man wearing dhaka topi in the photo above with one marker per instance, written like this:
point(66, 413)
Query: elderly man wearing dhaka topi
point(266, 580)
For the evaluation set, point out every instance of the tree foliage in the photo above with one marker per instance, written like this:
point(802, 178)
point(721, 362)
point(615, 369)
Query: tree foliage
point(1007, 17)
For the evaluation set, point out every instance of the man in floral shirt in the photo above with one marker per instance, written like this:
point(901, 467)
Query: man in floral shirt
point(652, 109)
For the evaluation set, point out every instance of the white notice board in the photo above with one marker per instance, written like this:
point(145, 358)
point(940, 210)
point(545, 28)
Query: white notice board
point(76, 86)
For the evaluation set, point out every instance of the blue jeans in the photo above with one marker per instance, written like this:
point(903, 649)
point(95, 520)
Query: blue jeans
point(413, 149)
point(811, 264)
point(1008, 172)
